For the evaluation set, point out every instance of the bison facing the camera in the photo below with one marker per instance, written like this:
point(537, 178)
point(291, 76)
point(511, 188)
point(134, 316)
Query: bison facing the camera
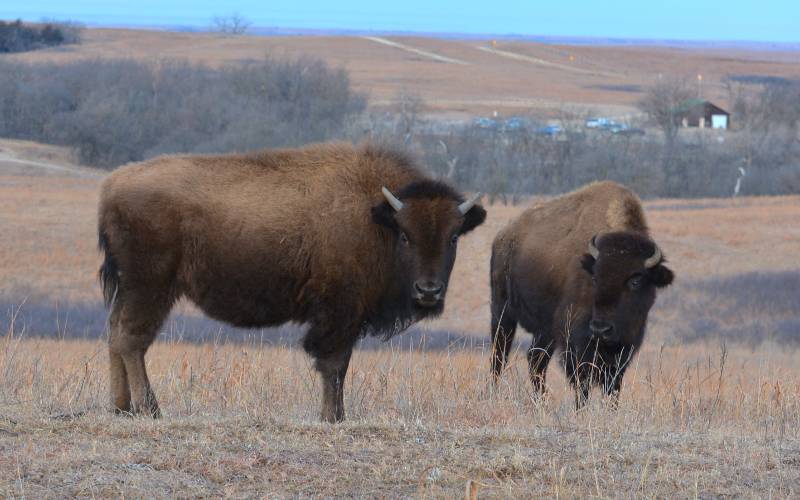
point(351, 241)
point(580, 274)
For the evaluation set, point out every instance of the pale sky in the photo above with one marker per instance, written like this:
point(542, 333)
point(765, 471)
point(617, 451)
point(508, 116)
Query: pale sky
point(725, 20)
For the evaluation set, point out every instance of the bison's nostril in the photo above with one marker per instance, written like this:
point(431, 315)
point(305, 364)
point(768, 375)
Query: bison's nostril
point(428, 287)
point(600, 328)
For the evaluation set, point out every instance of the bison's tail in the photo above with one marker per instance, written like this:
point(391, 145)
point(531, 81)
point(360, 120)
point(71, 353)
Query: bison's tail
point(109, 272)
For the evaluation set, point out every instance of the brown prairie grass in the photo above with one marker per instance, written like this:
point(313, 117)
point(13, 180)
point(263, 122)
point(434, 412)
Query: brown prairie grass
point(241, 420)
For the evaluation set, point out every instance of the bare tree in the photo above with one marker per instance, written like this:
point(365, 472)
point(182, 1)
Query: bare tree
point(232, 24)
point(409, 106)
point(662, 103)
point(451, 160)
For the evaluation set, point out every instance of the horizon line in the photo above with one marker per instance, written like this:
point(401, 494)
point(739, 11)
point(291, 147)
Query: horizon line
point(276, 30)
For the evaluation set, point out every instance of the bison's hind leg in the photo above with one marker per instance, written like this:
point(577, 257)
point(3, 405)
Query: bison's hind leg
point(120, 389)
point(503, 329)
point(134, 323)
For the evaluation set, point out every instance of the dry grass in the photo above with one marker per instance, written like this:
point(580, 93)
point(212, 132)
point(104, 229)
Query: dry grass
point(241, 421)
point(568, 76)
point(49, 243)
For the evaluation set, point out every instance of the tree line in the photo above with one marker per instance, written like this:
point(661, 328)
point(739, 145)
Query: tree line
point(18, 37)
point(116, 111)
point(760, 154)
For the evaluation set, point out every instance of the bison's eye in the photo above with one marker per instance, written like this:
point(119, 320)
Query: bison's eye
point(635, 282)
point(454, 239)
point(404, 238)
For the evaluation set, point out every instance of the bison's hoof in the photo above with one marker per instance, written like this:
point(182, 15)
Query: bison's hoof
point(332, 418)
point(145, 411)
point(122, 412)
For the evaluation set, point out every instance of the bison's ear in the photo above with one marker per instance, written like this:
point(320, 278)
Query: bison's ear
point(661, 276)
point(473, 218)
point(587, 263)
point(383, 214)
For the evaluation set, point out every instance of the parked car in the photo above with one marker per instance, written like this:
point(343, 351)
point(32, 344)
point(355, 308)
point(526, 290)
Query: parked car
point(622, 129)
point(616, 128)
point(484, 123)
point(549, 130)
point(597, 122)
point(516, 123)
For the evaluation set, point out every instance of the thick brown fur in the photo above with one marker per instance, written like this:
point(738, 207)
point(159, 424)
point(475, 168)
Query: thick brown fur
point(260, 239)
point(543, 279)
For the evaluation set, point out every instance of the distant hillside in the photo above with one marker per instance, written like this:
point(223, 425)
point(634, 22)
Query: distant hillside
point(463, 77)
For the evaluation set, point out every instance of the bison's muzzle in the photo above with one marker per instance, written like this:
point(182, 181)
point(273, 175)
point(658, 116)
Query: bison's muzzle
point(602, 330)
point(429, 293)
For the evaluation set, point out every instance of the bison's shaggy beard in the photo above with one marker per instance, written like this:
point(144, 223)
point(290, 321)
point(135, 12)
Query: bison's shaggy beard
point(391, 321)
point(386, 331)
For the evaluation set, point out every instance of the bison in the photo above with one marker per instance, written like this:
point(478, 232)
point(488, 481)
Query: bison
point(591, 306)
point(350, 240)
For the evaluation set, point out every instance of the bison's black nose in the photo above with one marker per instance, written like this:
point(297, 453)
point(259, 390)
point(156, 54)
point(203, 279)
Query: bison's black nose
point(601, 328)
point(427, 287)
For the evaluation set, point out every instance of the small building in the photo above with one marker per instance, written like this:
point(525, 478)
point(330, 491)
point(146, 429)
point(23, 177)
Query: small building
point(703, 114)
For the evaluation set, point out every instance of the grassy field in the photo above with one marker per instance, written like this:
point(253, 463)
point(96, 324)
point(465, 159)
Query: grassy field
point(710, 408)
point(241, 421)
point(459, 77)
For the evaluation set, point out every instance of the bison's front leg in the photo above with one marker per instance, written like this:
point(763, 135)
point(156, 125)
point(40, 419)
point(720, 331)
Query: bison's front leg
point(539, 355)
point(332, 370)
point(612, 376)
point(331, 347)
point(582, 384)
point(579, 372)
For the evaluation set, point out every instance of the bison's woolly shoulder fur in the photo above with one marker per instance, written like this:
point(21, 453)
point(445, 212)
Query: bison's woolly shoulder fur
point(560, 228)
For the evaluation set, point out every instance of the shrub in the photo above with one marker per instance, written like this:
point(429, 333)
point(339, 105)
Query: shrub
point(117, 111)
point(18, 37)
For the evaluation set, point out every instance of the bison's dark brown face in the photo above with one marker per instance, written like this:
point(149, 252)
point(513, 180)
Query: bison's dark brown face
point(626, 269)
point(425, 220)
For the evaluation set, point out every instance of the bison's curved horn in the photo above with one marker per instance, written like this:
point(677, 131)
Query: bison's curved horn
point(392, 199)
point(464, 207)
point(654, 259)
point(593, 251)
